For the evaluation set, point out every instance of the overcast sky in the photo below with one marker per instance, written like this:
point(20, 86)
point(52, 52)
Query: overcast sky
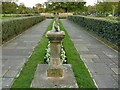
point(31, 3)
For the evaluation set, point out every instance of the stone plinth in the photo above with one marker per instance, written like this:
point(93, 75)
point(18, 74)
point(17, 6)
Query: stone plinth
point(55, 64)
point(42, 81)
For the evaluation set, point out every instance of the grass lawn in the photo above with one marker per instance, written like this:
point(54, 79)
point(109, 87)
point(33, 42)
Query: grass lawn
point(37, 57)
point(80, 71)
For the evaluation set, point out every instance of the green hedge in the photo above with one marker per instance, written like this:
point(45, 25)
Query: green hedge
point(11, 28)
point(107, 29)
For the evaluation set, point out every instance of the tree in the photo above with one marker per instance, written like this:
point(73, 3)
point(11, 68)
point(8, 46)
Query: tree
point(38, 7)
point(66, 7)
point(14, 7)
point(9, 7)
point(119, 8)
point(106, 7)
point(22, 9)
point(0, 7)
point(90, 9)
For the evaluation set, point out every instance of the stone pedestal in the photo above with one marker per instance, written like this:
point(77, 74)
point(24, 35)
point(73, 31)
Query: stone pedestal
point(55, 74)
point(55, 66)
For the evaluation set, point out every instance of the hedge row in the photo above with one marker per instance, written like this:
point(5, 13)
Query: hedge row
point(11, 28)
point(109, 30)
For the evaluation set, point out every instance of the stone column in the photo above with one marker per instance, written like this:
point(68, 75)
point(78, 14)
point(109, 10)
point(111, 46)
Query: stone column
point(55, 65)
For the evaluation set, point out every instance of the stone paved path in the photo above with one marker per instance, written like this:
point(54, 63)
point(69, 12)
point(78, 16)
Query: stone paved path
point(101, 61)
point(16, 52)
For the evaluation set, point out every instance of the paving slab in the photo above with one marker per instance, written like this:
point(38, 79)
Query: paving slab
point(97, 60)
point(6, 82)
point(115, 77)
point(106, 81)
point(11, 74)
point(13, 64)
point(110, 63)
point(16, 52)
point(115, 60)
point(4, 57)
point(83, 52)
point(101, 61)
point(99, 68)
point(87, 60)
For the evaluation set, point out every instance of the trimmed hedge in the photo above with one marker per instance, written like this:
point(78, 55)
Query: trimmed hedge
point(11, 28)
point(107, 29)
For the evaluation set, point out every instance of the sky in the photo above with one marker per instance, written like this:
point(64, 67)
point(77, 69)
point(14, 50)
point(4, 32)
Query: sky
point(31, 3)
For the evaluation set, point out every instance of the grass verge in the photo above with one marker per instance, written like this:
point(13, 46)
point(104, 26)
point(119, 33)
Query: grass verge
point(27, 74)
point(81, 73)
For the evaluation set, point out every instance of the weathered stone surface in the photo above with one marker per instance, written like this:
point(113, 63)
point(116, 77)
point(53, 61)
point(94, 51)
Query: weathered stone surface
point(105, 81)
point(89, 56)
point(14, 64)
point(16, 52)
point(99, 68)
point(55, 72)
point(87, 60)
point(115, 77)
point(55, 66)
point(55, 36)
point(115, 60)
point(6, 82)
point(11, 74)
point(42, 81)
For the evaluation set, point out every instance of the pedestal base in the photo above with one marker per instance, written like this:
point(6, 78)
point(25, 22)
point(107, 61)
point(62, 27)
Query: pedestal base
point(58, 72)
point(42, 81)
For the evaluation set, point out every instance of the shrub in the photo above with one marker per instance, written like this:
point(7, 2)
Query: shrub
point(107, 29)
point(11, 28)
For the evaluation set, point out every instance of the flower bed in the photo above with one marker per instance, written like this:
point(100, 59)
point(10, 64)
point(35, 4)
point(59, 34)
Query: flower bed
point(106, 29)
point(62, 55)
